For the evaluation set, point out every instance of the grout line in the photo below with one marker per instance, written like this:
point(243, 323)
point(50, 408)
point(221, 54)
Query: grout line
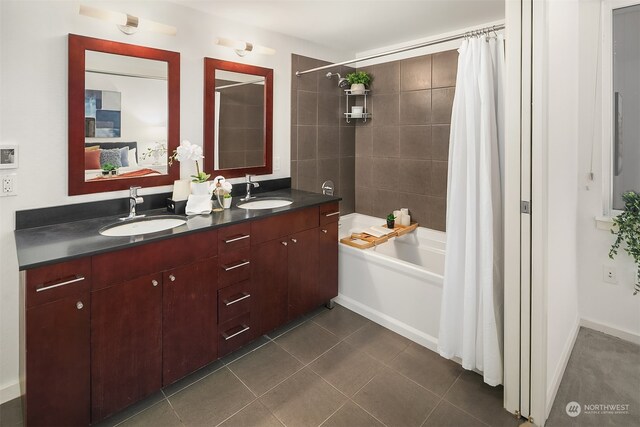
point(239, 410)
point(173, 409)
point(193, 383)
point(141, 411)
point(374, 417)
point(243, 383)
point(334, 412)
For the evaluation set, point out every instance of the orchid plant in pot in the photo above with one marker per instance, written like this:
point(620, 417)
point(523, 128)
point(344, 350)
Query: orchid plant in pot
point(188, 151)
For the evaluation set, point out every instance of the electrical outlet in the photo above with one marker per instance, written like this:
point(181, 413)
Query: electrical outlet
point(609, 275)
point(8, 186)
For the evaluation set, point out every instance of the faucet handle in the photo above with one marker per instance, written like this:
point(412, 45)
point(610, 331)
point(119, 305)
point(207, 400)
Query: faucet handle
point(133, 191)
point(247, 177)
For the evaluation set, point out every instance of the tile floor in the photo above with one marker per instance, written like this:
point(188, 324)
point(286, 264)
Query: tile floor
point(602, 369)
point(330, 368)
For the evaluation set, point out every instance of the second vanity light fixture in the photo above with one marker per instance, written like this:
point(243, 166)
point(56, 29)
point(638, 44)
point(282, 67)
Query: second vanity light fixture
point(128, 24)
point(242, 48)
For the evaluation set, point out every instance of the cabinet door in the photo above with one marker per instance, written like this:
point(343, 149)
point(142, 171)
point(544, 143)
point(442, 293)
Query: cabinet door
point(302, 272)
point(189, 318)
point(57, 343)
point(126, 344)
point(327, 262)
point(269, 276)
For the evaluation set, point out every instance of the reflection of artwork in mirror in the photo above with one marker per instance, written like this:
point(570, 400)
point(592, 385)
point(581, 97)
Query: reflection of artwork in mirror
point(102, 113)
point(126, 102)
point(239, 120)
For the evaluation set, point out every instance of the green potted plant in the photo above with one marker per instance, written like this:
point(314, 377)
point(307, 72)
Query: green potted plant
point(109, 169)
point(391, 221)
point(226, 200)
point(358, 80)
point(627, 230)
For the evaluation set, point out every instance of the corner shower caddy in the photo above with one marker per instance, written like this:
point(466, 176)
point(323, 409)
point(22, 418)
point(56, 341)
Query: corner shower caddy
point(364, 115)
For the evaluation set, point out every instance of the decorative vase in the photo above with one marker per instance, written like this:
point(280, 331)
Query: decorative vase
point(391, 224)
point(357, 89)
point(201, 188)
point(226, 202)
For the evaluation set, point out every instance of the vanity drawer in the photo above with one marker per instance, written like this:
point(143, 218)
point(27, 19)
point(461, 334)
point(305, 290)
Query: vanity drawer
point(234, 300)
point(118, 266)
point(235, 333)
point(234, 237)
point(329, 212)
point(234, 267)
point(283, 225)
point(57, 281)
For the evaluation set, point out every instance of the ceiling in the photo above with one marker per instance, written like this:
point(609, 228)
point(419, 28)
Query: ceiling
point(355, 25)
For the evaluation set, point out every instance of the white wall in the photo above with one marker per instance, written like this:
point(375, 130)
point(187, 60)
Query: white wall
point(33, 109)
point(606, 307)
point(562, 136)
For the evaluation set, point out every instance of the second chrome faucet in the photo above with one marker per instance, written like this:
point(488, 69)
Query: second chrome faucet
point(250, 184)
point(134, 199)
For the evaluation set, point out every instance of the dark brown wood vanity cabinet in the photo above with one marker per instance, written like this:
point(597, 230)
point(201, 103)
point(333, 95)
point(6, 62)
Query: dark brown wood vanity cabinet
point(103, 332)
point(236, 317)
point(55, 337)
point(289, 254)
point(153, 320)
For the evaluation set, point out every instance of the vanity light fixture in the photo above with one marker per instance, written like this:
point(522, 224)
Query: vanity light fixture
point(128, 24)
point(242, 48)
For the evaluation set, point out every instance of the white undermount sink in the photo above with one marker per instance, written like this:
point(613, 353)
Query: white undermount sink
point(266, 203)
point(138, 226)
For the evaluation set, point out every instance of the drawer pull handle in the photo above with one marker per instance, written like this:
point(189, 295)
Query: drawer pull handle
point(332, 213)
point(235, 239)
point(244, 296)
point(294, 240)
point(79, 305)
point(172, 277)
point(154, 282)
point(284, 243)
point(240, 264)
point(244, 329)
point(68, 282)
point(324, 231)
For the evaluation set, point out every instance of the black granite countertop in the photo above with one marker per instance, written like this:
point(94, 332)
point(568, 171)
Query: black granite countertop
point(39, 246)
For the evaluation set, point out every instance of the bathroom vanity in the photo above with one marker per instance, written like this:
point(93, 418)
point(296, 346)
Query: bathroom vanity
point(108, 321)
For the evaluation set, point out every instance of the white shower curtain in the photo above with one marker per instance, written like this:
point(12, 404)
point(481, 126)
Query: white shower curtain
point(471, 321)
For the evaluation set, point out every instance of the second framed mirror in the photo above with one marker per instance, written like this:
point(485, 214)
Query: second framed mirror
point(238, 118)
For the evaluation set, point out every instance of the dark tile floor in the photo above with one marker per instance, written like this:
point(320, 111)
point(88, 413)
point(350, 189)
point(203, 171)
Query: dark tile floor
point(331, 368)
point(602, 369)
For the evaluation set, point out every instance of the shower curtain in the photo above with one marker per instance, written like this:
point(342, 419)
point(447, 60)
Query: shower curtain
point(471, 320)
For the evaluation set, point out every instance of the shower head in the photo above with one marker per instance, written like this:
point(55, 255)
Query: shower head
point(342, 82)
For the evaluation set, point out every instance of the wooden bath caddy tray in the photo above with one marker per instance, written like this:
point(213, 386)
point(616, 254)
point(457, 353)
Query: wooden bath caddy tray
point(366, 241)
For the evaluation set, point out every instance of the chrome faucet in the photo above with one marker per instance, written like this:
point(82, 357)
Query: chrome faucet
point(134, 199)
point(249, 185)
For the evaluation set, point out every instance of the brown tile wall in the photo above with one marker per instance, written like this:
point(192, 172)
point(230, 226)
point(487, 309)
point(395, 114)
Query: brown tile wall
point(322, 143)
point(402, 152)
point(241, 133)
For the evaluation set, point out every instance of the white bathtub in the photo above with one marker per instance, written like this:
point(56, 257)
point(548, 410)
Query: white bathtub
point(397, 284)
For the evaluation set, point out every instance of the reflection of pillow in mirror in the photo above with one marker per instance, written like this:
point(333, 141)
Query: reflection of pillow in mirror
point(133, 159)
point(92, 148)
point(92, 159)
point(124, 156)
point(110, 156)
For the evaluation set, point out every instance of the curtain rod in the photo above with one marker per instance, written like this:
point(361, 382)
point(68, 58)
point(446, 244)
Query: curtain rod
point(412, 47)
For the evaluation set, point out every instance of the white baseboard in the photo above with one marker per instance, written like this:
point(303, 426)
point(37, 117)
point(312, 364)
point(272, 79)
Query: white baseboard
point(552, 389)
point(389, 322)
point(9, 392)
point(611, 330)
